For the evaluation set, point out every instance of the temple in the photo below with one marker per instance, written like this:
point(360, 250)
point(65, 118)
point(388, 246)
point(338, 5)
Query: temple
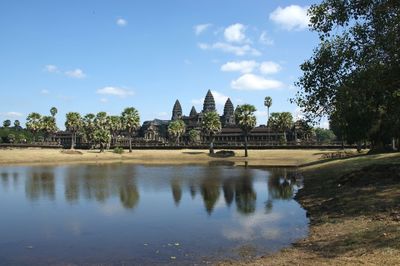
point(157, 130)
point(154, 133)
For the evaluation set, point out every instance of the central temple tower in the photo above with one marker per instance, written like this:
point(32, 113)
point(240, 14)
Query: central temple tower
point(209, 103)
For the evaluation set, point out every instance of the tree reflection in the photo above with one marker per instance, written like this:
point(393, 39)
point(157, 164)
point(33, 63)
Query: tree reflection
point(282, 185)
point(40, 183)
point(245, 196)
point(229, 191)
point(176, 191)
point(210, 193)
point(4, 179)
point(129, 196)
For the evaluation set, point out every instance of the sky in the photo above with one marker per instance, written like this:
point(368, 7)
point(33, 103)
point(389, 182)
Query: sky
point(90, 56)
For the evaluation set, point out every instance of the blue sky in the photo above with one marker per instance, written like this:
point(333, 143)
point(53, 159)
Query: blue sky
point(91, 56)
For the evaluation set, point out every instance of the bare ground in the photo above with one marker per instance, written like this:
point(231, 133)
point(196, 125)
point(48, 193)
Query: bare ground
point(186, 156)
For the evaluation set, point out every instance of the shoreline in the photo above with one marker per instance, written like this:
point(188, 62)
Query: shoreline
point(261, 158)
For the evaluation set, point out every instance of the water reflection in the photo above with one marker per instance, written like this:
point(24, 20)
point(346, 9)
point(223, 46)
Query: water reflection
point(92, 182)
point(111, 210)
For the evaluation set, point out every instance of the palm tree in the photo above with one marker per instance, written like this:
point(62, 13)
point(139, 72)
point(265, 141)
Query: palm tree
point(101, 121)
point(48, 125)
point(282, 122)
point(17, 124)
point(193, 136)
point(89, 127)
point(211, 126)
point(246, 121)
point(268, 104)
point(130, 122)
point(102, 137)
point(53, 111)
point(115, 125)
point(33, 123)
point(176, 129)
point(73, 124)
point(7, 123)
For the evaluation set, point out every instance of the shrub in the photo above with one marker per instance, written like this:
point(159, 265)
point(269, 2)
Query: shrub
point(118, 150)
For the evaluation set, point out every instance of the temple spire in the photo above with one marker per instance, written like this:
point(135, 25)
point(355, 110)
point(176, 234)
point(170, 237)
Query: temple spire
point(193, 112)
point(176, 111)
point(209, 103)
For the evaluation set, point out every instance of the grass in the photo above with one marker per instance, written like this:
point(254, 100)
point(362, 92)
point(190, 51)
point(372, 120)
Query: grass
point(354, 210)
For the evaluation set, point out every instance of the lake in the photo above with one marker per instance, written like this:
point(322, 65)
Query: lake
point(135, 214)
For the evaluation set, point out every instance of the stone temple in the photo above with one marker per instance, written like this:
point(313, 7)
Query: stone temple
point(157, 130)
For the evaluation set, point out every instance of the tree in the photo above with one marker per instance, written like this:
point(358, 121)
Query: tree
point(352, 76)
point(102, 137)
point(17, 124)
point(246, 121)
point(115, 124)
point(33, 123)
point(268, 104)
point(73, 124)
point(130, 122)
point(89, 127)
point(176, 129)
point(324, 135)
point(48, 125)
point(7, 123)
point(53, 111)
point(211, 126)
point(194, 135)
point(282, 122)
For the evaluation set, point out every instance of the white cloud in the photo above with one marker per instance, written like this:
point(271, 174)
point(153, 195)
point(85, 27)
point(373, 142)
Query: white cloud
point(241, 66)
point(12, 114)
point(115, 91)
point(44, 91)
point(292, 17)
point(265, 39)
point(254, 82)
point(104, 100)
point(240, 50)
point(76, 73)
point(235, 33)
point(51, 69)
point(199, 29)
point(121, 22)
point(269, 67)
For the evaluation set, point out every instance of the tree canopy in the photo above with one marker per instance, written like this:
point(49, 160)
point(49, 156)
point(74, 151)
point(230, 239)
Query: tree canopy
point(353, 75)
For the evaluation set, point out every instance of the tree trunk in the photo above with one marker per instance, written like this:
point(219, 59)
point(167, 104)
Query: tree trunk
point(245, 145)
point(101, 147)
point(73, 141)
point(130, 143)
point(393, 144)
point(211, 145)
point(358, 146)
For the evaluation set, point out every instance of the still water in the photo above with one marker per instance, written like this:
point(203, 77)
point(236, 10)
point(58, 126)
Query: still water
point(135, 214)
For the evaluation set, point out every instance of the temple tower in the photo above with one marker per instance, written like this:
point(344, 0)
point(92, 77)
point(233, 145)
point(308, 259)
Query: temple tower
point(228, 118)
point(176, 111)
point(209, 103)
point(193, 112)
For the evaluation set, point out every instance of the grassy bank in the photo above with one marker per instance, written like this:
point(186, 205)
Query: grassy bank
point(256, 157)
point(354, 210)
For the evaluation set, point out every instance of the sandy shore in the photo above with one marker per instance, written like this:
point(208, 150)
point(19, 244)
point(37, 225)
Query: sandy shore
point(256, 157)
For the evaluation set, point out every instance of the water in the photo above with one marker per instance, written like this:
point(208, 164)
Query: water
point(134, 214)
